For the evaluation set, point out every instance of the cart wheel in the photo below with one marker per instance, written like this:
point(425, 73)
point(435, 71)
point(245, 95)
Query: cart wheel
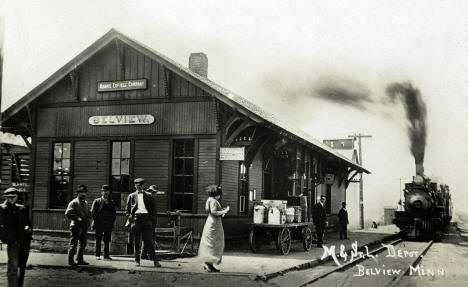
point(254, 241)
point(306, 238)
point(284, 241)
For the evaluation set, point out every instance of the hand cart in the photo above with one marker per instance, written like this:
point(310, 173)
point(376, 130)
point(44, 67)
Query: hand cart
point(281, 234)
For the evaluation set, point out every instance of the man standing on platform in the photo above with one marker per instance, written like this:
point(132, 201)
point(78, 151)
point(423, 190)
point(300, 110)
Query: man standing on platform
point(16, 232)
point(153, 189)
point(140, 211)
point(103, 212)
point(78, 212)
point(319, 217)
point(343, 219)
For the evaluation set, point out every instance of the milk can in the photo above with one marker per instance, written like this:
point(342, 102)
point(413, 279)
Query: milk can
point(274, 216)
point(259, 211)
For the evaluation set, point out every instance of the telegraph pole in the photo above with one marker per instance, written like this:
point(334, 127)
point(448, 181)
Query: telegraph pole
point(361, 192)
point(1, 67)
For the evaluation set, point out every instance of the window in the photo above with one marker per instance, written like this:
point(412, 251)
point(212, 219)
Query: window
point(328, 202)
point(60, 193)
point(182, 175)
point(243, 188)
point(120, 171)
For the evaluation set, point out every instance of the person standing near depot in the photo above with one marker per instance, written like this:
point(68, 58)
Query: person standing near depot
point(343, 219)
point(78, 212)
point(16, 232)
point(140, 213)
point(212, 241)
point(153, 189)
point(103, 212)
point(319, 217)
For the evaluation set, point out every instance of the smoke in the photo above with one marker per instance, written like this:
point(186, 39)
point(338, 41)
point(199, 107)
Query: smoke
point(336, 89)
point(415, 109)
point(344, 92)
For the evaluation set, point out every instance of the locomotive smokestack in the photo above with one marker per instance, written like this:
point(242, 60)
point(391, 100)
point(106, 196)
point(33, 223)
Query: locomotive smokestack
point(419, 169)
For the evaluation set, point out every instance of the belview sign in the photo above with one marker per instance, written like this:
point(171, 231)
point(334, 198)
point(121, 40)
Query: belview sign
point(114, 120)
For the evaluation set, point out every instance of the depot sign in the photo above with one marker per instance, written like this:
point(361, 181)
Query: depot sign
point(114, 120)
point(122, 85)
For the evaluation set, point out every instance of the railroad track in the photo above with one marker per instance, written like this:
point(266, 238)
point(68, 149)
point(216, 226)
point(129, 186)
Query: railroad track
point(382, 265)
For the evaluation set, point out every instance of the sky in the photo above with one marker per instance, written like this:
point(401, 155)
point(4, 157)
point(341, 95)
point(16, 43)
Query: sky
point(278, 54)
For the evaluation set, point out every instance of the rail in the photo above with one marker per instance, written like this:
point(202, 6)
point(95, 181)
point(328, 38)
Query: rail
point(393, 280)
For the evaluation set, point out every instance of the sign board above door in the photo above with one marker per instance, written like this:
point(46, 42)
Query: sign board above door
point(114, 120)
point(231, 153)
point(122, 85)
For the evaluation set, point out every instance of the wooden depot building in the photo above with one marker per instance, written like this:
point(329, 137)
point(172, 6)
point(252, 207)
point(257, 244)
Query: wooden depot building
point(120, 110)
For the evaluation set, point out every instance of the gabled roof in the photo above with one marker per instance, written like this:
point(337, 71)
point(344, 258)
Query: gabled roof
point(224, 95)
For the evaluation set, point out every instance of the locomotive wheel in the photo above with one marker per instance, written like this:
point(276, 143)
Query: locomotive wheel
point(255, 241)
point(284, 241)
point(306, 238)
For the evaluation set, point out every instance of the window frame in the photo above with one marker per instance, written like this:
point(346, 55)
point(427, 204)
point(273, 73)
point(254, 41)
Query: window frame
point(53, 175)
point(243, 182)
point(122, 194)
point(173, 174)
point(328, 195)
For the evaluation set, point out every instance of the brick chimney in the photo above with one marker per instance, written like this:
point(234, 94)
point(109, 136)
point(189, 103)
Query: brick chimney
point(198, 63)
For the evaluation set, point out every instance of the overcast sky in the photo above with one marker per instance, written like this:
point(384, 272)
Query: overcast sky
point(278, 54)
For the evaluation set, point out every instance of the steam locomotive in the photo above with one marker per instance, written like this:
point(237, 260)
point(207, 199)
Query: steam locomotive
point(427, 208)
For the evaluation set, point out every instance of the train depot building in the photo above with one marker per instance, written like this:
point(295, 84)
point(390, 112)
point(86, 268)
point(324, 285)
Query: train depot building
point(120, 110)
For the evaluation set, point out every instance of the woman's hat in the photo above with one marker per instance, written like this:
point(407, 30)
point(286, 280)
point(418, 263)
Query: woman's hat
point(11, 191)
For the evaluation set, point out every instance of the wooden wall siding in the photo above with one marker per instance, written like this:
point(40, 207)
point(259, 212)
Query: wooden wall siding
point(8, 166)
point(152, 164)
point(181, 88)
point(234, 226)
point(90, 167)
point(229, 182)
point(105, 66)
point(62, 92)
point(50, 220)
point(206, 169)
point(41, 182)
point(170, 119)
point(338, 195)
point(256, 177)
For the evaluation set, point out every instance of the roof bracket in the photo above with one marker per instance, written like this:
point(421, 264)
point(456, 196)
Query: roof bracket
point(30, 125)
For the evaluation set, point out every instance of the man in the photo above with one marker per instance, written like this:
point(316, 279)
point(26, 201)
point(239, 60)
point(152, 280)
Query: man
point(319, 217)
point(78, 212)
point(140, 211)
point(16, 232)
point(153, 189)
point(343, 220)
point(103, 212)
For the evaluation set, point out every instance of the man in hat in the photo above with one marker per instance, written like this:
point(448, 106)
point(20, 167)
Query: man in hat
point(16, 231)
point(343, 219)
point(103, 212)
point(78, 212)
point(319, 217)
point(153, 189)
point(140, 211)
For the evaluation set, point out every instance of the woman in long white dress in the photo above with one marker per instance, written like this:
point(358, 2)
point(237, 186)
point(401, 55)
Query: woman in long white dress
point(212, 241)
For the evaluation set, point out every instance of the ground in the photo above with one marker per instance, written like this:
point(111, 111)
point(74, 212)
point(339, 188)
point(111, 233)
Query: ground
point(240, 268)
point(46, 277)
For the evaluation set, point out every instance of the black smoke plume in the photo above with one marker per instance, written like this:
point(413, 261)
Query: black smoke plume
point(344, 92)
point(415, 109)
